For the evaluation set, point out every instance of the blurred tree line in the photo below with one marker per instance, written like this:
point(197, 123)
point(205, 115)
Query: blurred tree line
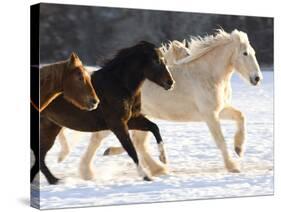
point(96, 33)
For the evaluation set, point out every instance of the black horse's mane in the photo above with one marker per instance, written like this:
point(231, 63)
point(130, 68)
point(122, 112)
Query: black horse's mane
point(141, 51)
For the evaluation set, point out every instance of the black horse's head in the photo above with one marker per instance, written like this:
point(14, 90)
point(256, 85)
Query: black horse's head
point(155, 67)
point(139, 62)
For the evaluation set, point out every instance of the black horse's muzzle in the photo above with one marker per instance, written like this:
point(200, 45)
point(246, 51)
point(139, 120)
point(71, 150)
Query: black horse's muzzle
point(169, 84)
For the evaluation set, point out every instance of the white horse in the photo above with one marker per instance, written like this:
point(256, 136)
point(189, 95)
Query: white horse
point(202, 93)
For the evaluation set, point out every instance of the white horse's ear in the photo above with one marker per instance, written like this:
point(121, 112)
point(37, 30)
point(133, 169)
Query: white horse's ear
point(184, 42)
point(176, 45)
point(235, 35)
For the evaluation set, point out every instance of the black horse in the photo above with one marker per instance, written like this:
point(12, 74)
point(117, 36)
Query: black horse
point(117, 85)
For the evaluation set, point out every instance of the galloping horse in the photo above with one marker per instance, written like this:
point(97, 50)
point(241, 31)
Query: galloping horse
point(118, 86)
point(70, 79)
point(202, 93)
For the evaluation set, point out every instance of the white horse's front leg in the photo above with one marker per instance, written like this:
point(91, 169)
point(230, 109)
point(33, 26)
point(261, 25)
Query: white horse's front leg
point(65, 148)
point(140, 139)
point(213, 123)
point(232, 113)
point(86, 171)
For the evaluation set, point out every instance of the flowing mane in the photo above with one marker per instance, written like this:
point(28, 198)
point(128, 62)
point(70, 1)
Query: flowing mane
point(52, 72)
point(126, 55)
point(199, 46)
point(165, 47)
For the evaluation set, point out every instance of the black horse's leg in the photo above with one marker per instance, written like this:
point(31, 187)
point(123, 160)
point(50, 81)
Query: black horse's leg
point(48, 133)
point(142, 123)
point(35, 168)
point(123, 135)
point(45, 170)
point(34, 143)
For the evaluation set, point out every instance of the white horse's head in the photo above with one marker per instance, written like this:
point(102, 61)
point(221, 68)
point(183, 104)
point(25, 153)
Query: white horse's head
point(244, 60)
point(174, 51)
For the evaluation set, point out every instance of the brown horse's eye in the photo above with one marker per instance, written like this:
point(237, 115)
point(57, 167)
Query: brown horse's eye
point(79, 75)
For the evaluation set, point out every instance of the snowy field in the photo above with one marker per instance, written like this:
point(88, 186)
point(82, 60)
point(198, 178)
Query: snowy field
point(196, 166)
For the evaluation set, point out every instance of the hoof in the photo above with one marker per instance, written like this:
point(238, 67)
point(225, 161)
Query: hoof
point(163, 159)
point(61, 157)
point(146, 178)
point(54, 181)
point(235, 171)
point(161, 170)
point(106, 152)
point(238, 151)
point(232, 166)
point(87, 176)
point(86, 173)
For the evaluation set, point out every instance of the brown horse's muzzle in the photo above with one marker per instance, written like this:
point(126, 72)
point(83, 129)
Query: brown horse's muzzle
point(93, 104)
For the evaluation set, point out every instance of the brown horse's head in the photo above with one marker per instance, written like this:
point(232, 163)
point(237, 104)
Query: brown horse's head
point(77, 86)
point(158, 72)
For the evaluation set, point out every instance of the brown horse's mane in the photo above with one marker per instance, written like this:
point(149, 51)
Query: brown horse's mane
point(51, 74)
point(51, 80)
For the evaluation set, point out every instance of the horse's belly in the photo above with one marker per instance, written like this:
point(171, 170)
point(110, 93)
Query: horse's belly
point(65, 114)
point(171, 112)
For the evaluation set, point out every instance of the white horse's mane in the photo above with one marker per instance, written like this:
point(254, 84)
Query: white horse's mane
point(199, 46)
point(166, 46)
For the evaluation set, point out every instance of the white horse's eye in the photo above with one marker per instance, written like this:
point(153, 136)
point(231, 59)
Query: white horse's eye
point(245, 53)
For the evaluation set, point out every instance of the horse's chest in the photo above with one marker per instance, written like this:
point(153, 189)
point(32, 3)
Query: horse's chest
point(131, 107)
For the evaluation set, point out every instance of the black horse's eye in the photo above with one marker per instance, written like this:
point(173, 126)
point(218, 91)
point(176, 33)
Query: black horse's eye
point(245, 53)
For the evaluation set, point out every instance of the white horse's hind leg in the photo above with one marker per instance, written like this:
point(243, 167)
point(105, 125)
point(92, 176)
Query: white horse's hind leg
point(215, 128)
point(240, 136)
point(140, 139)
point(86, 171)
point(65, 148)
point(114, 150)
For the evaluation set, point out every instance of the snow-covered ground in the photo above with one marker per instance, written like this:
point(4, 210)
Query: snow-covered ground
point(196, 166)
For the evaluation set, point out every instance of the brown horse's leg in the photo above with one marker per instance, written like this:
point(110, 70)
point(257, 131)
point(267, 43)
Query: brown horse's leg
point(48, 133)
point(122, 134)
point(142, 123)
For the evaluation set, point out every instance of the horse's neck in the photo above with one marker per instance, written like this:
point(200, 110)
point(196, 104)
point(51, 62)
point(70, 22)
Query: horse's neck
point(51, 79)
point(132, 80)
point(218, 63)
point(170, 57)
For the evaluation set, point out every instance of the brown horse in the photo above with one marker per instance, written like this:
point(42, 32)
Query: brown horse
point(69, 78)
point(118, 86)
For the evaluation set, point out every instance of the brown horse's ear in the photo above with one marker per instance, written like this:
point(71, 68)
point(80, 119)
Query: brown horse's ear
point(74, 60)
